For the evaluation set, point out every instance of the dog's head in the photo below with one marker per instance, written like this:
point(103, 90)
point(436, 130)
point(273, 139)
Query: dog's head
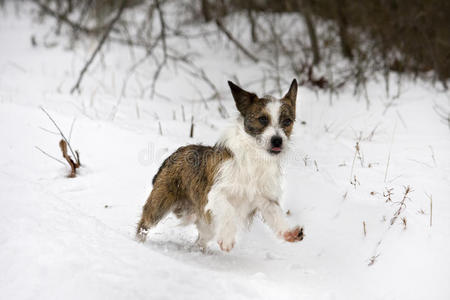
point(267, 119)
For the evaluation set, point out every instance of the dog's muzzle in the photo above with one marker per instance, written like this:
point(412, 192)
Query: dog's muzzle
point(276, 142)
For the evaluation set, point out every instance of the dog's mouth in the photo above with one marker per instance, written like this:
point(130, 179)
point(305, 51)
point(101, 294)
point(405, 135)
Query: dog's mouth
point(275, 150)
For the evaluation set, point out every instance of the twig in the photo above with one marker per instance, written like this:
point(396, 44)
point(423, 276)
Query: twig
point(354, 159)
point(364, 228)
point(388, 194)
point(60, 131)
point(191, 134)
point(405, 222)
point(162, 36)
point(372, 133)
point(49, 155)
point(63, 18)
point(163, 27)
point(390, 150)
point(234, 41)
point(401, 119)
point(182, 113)
point(432, 155)
point(305, 160)
point(355, 182)
point(71, 128)
point(402, 205)
point(99, 46)
point(373, 259)
point(443, 114)
point(199, 73)
point(132, 71)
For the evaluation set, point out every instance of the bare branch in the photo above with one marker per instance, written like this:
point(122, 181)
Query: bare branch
point(61, 17)
point(235, 41)
point(64, 19)
point(162, 37)
point(60, 131)
point(99, 46)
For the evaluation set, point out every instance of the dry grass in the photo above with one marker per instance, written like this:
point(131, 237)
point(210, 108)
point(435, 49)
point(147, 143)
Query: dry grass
point(364, 228)
point(390, 151)
point(388, 194)
point(373, 259)
point(401, 205)
point(191, 132)
point(355, 182)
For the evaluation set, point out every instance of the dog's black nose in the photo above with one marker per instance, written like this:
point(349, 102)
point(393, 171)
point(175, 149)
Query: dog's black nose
point(276, 141)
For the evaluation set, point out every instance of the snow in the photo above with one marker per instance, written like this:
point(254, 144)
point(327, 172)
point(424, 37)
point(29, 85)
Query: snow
point(74, 238)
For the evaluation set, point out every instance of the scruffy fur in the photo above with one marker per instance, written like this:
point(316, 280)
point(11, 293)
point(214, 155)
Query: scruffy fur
point(220, 188)
point(182, 184)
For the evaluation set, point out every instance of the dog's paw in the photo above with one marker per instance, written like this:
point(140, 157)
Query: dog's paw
point(141, 235)
point(293, 235)
point(226, 245)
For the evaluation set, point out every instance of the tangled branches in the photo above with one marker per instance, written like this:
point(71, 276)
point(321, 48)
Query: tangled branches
point(302, 41)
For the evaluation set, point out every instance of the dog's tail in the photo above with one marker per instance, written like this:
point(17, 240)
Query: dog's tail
point(158, 205)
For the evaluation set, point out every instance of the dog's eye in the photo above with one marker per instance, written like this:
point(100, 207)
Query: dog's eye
point(263, 120)
point(287, 122)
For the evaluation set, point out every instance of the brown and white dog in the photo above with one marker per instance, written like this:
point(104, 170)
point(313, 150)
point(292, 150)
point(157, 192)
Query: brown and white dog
point(221, 188)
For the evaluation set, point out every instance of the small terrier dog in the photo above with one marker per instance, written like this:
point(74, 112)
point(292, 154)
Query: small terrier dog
point(221, 188)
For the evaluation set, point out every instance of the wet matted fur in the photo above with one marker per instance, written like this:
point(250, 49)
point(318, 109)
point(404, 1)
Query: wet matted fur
point(220, 188)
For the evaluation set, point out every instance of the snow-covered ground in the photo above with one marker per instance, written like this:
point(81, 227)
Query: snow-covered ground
point(64, 238)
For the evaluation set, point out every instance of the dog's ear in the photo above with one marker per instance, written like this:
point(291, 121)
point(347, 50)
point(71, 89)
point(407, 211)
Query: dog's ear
point(291, 95)
point(242, 98)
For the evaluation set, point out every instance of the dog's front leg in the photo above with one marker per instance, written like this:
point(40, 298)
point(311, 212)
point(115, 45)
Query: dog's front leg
point(225, 221)
point(276, 219)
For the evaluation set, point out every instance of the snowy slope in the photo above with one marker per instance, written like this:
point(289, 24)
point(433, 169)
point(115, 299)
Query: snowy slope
point(73, 238)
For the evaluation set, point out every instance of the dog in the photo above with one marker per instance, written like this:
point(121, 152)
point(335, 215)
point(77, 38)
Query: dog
point(221, 188)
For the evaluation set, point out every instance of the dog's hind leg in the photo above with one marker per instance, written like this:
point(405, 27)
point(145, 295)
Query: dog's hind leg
point(158, 205)
point(205, 233)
